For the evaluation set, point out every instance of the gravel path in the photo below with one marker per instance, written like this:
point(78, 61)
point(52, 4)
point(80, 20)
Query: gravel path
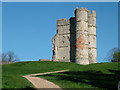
point(42, 83)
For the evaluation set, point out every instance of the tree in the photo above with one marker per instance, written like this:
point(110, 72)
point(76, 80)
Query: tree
point(4, 56)
point(114, 55)
point(9, 57)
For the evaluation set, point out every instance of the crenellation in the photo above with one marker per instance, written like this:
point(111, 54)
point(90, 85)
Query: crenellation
point(81, 9)
point(75, 40)
point(62, 22)
point(93, 13)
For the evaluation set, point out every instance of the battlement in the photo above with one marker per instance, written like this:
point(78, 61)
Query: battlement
point(63, 21)
point(81, 9)
point(93, 14)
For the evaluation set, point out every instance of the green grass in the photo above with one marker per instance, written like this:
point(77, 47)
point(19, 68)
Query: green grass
point(11, 76)
point(101, 75)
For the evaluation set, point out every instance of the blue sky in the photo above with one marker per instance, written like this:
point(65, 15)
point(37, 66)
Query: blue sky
point(60, 0)
point(0, 28)
point(28, 27)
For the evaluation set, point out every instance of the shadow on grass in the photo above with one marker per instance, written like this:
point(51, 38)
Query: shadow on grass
point(94, 78)
point(26, 88)
point(29, 88)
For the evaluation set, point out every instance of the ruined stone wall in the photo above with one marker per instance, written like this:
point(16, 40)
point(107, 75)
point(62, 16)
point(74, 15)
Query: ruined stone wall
point(61, 42)
point(75, 40)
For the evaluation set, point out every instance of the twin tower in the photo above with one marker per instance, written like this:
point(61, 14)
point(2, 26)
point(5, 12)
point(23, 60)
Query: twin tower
point(75, 40)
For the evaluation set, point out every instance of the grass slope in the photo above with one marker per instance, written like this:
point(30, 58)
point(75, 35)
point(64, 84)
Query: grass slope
point(101, 75)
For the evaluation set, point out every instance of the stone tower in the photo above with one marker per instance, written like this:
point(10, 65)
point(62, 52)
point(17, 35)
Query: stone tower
point(75, 40)
point(92, 52)
point(81, 15)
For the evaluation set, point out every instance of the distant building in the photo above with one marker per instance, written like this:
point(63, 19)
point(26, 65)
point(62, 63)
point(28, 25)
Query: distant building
point(75, 40)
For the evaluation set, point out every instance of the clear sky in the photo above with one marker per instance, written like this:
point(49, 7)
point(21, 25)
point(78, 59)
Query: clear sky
point(60, 0)
point(28, 27)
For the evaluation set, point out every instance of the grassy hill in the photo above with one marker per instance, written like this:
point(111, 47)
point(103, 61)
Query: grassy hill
point(99, 75)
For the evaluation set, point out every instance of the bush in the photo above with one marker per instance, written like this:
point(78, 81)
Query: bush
point(116, 57)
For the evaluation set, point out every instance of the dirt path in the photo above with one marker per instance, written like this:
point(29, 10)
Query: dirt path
point(42, 83)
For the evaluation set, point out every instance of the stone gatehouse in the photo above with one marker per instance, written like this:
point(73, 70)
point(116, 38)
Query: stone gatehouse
point(75, 40)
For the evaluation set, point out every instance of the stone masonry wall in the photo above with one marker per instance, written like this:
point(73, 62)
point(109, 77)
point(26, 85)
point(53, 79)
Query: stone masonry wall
point(61, 47)
point(75, 40)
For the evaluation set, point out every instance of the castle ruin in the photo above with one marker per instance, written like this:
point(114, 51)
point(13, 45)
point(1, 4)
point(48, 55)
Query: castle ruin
point(75, 40)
